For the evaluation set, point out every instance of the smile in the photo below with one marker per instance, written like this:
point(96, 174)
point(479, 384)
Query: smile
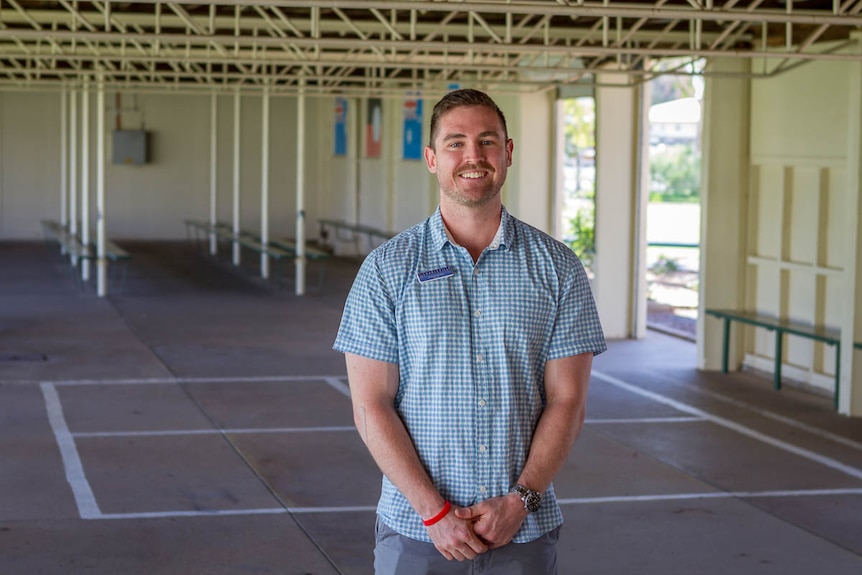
point(473, 175)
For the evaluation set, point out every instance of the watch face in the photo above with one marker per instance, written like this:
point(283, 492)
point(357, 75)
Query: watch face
point(532, 502)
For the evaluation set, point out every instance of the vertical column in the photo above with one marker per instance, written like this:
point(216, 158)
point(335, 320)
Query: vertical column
point(531, 196)
point(850, 383)
point(64, 158)
point(85, 175)
point(213, 169)
point(73, 162)
point(617, 121)
point(264, 182)
point(725, 168)
point(300, 189)
point(236, 157)
point(100, 188)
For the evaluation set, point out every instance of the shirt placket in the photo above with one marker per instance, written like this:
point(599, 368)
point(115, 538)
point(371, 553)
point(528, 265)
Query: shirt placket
point(480, 329)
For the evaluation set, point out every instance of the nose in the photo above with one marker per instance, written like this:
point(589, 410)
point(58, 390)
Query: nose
point(474, 150)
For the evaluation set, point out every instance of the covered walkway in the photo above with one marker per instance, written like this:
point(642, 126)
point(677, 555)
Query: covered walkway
point(198, 422)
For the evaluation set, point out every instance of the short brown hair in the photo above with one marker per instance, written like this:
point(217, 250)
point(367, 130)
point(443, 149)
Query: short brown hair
point(461, 98)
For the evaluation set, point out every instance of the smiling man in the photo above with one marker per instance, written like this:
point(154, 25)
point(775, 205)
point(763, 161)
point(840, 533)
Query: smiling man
point(469, 341)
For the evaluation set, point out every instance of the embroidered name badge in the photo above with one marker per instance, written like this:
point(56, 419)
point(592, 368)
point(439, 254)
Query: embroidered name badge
point(432, 275)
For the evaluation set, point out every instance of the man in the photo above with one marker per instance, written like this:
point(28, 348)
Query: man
point(469, 341)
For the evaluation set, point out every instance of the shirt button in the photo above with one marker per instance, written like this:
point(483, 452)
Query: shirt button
point(477, 313)
point(481, 403)
point(482, 489)
point(483, 448)
point(479, 357)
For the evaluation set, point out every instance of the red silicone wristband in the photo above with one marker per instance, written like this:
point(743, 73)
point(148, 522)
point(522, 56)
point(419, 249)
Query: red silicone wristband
point(446, 507)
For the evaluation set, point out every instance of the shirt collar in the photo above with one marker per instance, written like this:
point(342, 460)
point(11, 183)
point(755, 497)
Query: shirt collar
point(503, 238)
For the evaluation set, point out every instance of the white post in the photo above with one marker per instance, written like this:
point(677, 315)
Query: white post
point(236, 139)
point(73, 165)
point(85, 175)
point(264, 183)
point(300, 189)
point(64, 158)
point(100, 187)
point(213, 168)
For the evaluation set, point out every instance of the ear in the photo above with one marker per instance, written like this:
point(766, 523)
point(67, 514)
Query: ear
point(431, 159)
point(510, 146)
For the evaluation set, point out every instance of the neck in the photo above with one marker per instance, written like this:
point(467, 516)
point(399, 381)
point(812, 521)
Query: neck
point(473, 228)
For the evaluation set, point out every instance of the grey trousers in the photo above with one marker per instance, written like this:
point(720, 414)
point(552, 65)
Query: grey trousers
point(395, 554)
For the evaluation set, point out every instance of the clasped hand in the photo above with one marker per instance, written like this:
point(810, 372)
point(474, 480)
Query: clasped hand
point(469, 531)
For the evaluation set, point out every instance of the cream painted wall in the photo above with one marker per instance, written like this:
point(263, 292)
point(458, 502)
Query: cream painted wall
point(29, 165)
point(780, 217)
point(799, 136)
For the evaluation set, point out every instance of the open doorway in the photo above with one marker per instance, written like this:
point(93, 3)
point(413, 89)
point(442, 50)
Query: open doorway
point(673, 209)
point(576, 177)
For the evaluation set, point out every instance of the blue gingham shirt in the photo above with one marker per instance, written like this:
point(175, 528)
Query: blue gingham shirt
point(471, 342)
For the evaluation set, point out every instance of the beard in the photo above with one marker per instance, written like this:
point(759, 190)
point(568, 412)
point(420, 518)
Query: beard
point(471, 194)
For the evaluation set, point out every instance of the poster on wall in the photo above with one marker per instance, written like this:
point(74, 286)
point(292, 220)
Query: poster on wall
point(340, 126)
point(413, 129)
point(374, 128)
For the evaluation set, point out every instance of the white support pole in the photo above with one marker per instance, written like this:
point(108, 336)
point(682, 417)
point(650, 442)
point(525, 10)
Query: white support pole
point(73, 164)
point(213, 169)
point(236, 139)
point(300, 189)
point(85, 175)
point(64, 158)
point(100, 187)
point(264, 182)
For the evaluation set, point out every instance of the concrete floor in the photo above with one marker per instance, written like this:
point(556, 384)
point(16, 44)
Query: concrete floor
point(198, 422)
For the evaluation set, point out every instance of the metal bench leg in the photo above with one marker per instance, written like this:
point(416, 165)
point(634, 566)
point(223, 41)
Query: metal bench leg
point(779, 345)
point(725, 345)
point(837, 375)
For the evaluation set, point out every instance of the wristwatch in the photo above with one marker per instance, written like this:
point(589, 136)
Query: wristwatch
point(532, 499)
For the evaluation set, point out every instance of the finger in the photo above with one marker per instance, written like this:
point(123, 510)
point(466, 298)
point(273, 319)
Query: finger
point(464, 513)
point(477, 545)
point(457, 555)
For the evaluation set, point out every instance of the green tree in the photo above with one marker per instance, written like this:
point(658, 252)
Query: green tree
point(580, 125)
point(675, 174)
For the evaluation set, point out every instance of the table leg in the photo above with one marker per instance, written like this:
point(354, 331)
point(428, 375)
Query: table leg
point(725, 345)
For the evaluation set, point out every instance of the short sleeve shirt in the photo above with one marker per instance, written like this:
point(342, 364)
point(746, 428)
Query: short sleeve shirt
point(471, 341)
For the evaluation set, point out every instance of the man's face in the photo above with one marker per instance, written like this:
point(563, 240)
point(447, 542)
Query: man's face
point(470, 156)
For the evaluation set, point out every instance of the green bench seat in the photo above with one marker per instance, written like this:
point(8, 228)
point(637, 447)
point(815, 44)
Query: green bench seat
point(781, 327)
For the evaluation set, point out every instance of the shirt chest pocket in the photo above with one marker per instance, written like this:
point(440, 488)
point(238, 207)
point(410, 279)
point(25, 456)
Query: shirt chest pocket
point(432, 314)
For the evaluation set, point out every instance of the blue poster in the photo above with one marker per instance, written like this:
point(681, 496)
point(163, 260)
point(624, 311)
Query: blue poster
point(340, 126)
point(413, 129)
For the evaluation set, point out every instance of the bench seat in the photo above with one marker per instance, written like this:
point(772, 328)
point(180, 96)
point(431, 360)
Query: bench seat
point(781, 326)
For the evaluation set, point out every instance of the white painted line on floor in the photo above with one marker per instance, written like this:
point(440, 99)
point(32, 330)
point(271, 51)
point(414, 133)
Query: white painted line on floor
point(339, 384)
point(732, 425)
point(171, 432)
point(646, 420)
point(569, 501)
point(709, 495)
point(783, 419)
point(88, 508)
point(356, 508)
point(201, 513)
point(175, 380)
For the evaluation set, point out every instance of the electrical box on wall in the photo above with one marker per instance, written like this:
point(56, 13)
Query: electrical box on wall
point(130, 147)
